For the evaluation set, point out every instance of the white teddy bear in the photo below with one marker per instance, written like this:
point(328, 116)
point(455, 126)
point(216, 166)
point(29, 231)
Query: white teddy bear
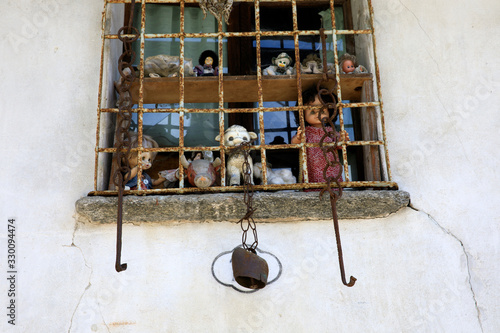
point(234, 136)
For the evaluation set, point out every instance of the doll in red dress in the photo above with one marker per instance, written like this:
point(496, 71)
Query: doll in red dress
point(316, 161)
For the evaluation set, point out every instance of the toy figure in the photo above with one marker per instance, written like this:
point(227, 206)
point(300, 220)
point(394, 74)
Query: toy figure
point(146, 160)
point(208, 64)
point(316, 161)
point(274, 176)
point(311, 64)
point(234, 136)
point(166, 66)
point(349, 65)
point(201, 172)
point(281, 65)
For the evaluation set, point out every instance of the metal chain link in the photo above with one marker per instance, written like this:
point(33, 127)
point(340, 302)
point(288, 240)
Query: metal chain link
point(331, 156)
point(124, 118)
point(247, 222)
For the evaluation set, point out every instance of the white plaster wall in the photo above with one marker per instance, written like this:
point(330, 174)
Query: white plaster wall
point(440, 71)
point(433, 269)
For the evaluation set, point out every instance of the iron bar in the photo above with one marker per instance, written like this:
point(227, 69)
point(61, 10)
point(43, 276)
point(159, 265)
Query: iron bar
point(273, 187)
point(379, 91)
point(99, 96)
point(247, 34)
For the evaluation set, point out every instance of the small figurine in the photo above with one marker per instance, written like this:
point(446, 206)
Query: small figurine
point(234, 136)
point(281, 65)
point(274, 176)
point(166, 66)
point(316, 160)
point(349, 65)
point(201, 172)
point(208, 64)
point(146, 159)
point(311, 64)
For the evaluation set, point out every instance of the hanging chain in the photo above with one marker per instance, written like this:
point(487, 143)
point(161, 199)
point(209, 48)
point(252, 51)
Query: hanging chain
point(247, 222)
point(331, 156)
point(124, 118)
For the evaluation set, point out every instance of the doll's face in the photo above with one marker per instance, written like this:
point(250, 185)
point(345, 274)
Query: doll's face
point(146, 161)
point(348, 66)
point(283, 62)
point(311, 115)
point(209, 61)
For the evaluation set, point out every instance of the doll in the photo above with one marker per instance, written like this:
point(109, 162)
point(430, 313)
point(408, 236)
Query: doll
point(234, 136)
point(163, 65)
point(316, 161)
point(201, 170)
point(281, 65)
point(208, 64)
point(349, 65)
point(146, 160)
point(311, 64)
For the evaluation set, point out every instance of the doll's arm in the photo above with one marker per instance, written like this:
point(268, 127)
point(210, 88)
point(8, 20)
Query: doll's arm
point(160, 180)
point(133, 171)
point(297, 138)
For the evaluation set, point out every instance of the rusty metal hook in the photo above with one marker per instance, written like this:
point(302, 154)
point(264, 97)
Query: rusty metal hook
point(335, 194)
point(122, 138)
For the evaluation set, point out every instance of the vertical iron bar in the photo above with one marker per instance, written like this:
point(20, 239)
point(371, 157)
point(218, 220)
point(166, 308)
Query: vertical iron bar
point(99, 96)
point(140, 108)
point(182, 106)
point(221, 97)
point(340, 109)
point(260, 92)
point(303, 173)
point(387, 168)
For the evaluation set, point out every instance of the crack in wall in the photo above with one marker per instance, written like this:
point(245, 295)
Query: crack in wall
point(448, 232)
point(90, 275)
point(418, 21)
point(426, 34)
point(102, 317)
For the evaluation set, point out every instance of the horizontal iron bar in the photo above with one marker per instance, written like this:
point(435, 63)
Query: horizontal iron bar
point(218, 189)
point(245, 34)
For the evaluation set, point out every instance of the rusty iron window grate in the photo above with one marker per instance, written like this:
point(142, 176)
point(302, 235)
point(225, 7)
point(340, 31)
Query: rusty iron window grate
point(176, 92)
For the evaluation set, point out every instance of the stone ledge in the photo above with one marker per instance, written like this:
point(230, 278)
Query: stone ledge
point(284, 206)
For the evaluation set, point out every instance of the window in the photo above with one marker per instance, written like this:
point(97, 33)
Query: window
point(185, 113)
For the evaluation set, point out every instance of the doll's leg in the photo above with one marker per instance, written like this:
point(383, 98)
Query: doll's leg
point(233, 175)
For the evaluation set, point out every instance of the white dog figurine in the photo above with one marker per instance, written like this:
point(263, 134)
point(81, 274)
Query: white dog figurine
point(234, 136)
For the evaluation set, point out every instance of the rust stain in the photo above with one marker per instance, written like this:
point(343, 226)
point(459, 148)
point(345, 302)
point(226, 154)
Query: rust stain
point(122, 323)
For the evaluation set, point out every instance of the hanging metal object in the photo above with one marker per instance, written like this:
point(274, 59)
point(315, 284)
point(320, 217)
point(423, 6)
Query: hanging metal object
point(124, 117)
point(249, 270)
point(329, 152)
point(218, 8)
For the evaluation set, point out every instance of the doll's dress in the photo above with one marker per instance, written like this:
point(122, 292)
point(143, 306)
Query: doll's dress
point(146, 182)
point(316, 161)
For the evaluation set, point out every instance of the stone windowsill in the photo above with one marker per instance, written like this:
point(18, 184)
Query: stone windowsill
point(284, 206)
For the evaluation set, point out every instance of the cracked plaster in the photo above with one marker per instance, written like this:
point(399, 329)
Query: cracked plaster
point(467, 256)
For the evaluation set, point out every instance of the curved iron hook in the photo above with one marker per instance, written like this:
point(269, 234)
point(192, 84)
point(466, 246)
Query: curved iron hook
point(334, 194)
